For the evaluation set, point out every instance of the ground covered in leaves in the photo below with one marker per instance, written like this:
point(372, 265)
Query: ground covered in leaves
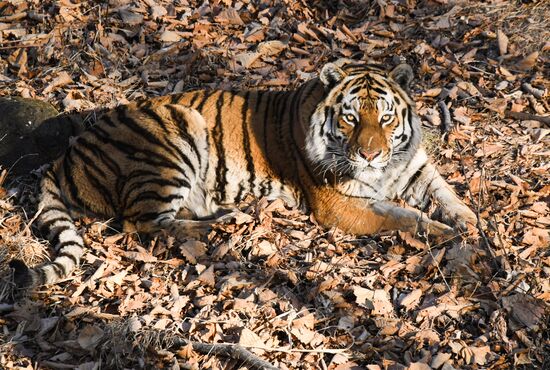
point(295, 295)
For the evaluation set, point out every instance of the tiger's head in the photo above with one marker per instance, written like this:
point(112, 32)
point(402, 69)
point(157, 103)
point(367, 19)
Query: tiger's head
point(366, 120)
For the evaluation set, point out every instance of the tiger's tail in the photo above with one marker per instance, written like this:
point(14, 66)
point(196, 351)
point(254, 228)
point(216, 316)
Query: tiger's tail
point(55, 221)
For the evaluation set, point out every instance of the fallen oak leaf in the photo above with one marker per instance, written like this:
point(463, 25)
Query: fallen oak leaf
point(411, 300)
point(89, 337)
point(193, 250)
point(62, 79)
point(502, 41)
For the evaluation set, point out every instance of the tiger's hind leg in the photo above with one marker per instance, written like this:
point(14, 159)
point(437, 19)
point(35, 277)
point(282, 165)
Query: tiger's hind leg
point(156, 206)
point(179, 228)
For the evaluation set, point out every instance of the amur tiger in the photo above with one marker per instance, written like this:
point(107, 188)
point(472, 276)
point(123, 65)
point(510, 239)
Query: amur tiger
point(344, 146)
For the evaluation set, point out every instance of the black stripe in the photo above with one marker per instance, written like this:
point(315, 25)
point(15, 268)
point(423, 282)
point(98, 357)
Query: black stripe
point(104, 192)
point(328, 111)
point(182, 124)
point(379, 90)
point(67, 243)
point(355, 89)
point(173, 148)
point(69, 256)
point(143, 132)
point(196, 94)
point(205, 97)
point(240, 193)
point(413, 178)
point(408, 119)
point(295, 147)
point(89, 161)
point(46, 209)
point(73, 190)
point(246, 145)
point(146, 157)
point(46, 225)
point(426, 193)
point(232, 95)
point(267, 108)
point(154, 196)
point(221, 168)
point(59, 269)
point(175, 99)
point(280, 110)
point(148, 216)
point(59, 229)
point(98, 152)
point(42, 274)
point(305, 94)
point(52, 194)
point(174, 182)
point(136, 186)
point(259, 97)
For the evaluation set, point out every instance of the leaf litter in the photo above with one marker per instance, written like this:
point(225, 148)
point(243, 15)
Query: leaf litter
point(273, 282)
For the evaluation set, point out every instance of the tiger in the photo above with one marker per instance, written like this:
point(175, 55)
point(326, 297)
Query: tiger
point(345, 146)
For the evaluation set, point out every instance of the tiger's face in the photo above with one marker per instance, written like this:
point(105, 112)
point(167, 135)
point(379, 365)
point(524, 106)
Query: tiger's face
point(366, 122)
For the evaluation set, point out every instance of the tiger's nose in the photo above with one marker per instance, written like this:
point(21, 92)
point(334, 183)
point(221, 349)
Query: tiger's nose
point(369, 155)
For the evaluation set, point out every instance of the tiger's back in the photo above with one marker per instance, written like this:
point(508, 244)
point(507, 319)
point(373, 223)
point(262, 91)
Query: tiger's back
point(221, 141)
point(204, 151)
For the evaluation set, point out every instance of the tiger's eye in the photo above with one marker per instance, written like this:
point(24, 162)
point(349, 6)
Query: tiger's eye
point(350, 118)
point(386, 118)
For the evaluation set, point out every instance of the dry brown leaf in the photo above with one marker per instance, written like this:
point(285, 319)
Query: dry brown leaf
point(525, 309)
point(528, 62)
point(461, 115)
point(208, 276)
point(263, 249)
point(130, 17)
point(418, 366)
point(89, 337)
point(192, 250)
point(170, 36)
point(62, 79)
point(229, 16)
point(247, 59)
point(251, 340)
point(271, 48)
point(502, 41)
point(439, 359)
point(428, 335)
point(411, 300)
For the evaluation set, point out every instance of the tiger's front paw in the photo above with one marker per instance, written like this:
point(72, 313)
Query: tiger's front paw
point(461, 217)
point(439, 232)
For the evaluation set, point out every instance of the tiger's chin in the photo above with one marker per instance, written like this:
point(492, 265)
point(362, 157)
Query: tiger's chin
point(362, 165)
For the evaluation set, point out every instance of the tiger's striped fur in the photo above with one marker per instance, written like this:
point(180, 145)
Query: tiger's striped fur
point(343, 145)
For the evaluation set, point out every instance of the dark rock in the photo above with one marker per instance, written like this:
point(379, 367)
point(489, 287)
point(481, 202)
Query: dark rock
point(32, 133)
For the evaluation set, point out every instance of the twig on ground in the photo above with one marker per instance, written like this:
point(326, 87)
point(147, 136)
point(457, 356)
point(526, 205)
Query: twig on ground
point(13, 17)
point(233, 351)
point(538, 93)
point(528, 116)
point(446, 117)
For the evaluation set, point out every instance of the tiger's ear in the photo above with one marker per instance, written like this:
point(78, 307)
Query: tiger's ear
point(331, 74)
point(403, 75)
